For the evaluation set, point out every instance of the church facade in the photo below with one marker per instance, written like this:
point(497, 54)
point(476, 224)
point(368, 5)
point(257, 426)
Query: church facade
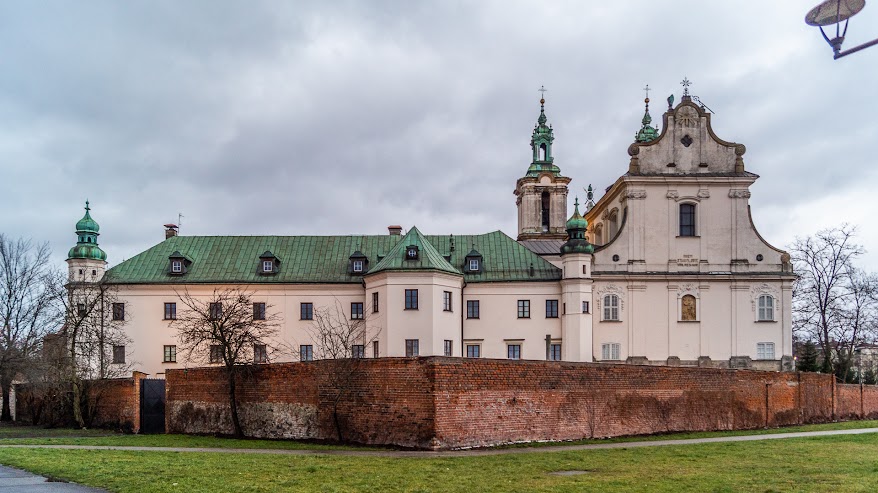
point(665, 269)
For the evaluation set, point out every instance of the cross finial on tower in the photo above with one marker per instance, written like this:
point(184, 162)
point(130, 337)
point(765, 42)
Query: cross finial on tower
point(86, 205)
point(542, 91)
point(647, 89)
point(686, 83)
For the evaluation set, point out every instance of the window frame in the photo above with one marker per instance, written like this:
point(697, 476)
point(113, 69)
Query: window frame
point(375, 352)
point(472, 309)
point(446, 301)
point(170, 311)
point(611, 311)
point(513, 349)
point(118, 355)
point(306, 308)
point(412, 348)
point(215, 311)
point(554, 351)
point(357, 266)
point(765, 313)
point(551, 308)
point(586, 307)
point(118, 310)
point(259, 311)
point(267, 266)
point(169, 353)
point(523, 309)
point(691, 229)
point(358, 351)
point(306, 352)
point(762, 351)
point(610, 349)
point(411, 299)
point(260, 353)
point(216, 354)
point(357, 310)
point(473, 350)
point(473, 265)
point(375, 302)
point(448, 347)
point(176, 266)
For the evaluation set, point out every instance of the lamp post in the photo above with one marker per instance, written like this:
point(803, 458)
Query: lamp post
point(835, 12)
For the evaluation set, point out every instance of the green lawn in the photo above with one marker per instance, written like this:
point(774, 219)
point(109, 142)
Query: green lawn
point(835, 463)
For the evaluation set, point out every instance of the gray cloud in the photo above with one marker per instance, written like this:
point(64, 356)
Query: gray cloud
point(305, 118)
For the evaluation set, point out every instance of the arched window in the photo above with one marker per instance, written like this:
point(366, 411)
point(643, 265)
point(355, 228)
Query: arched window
point(542, 155)
point(766, 308)
point(545, 211)
point(599, 234)
point(614, 224)
point(687, 219)
point(688, 311)
point(611, 307)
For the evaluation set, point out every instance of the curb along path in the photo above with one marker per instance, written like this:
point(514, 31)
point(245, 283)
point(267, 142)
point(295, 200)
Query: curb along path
point(460, 453)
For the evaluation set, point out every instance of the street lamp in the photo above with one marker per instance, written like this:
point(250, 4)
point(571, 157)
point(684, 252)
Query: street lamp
point(834, 12)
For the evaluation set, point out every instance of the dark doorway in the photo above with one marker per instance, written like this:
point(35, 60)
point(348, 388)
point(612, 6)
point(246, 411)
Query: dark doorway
point(152, 405)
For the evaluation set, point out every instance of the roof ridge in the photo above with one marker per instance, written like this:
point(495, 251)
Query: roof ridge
point(428, 257)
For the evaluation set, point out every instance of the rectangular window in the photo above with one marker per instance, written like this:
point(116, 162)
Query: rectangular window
point(473, 264)
point(446, 301)
point(765, 350)
point(215, 311)
point(513, 351)
point(358, 266)
point(258, 311)
point(356, 311)
point(448, 347)
point(766, 308)
point(260, 353)
point(306, 311)
point(80, 309)
point(170, 311)
point(374, 349)
point(306, 353)
point(358, 351)
point(411, 347)
point(611, 307)
point(585, 307)
point(375, 302)
point(170, 355)
point(176, 266)
point(118, 354)
point(118, 311)
point(472, 309)
point(473, 351)
point(267, 266)
point(411, 299)
point(216, 353)
point(551, 308)
point(555, 352)
point(610, 351)
point(523, 308)
point(687, 219)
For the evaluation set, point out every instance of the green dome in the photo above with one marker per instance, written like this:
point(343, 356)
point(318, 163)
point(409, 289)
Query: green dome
point(576, 221)
point(91, 252)
point(576, 226)
point(87, 239)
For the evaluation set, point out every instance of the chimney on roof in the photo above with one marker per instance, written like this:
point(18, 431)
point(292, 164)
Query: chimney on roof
point(394, 230)
point(170, 230)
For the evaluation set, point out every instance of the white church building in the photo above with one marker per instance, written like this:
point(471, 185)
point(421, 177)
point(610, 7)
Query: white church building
point(666, 268)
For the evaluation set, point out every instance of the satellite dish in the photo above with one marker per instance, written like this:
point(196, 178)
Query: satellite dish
point(833, 12)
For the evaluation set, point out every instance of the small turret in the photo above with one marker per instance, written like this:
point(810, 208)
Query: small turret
point(647, 133)
point(576, 227)
point(86, 261)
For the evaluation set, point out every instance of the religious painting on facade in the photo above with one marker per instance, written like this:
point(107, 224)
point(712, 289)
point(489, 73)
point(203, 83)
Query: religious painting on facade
point(688, 308)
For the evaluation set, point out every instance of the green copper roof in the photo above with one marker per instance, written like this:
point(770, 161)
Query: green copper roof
point(576, 227)
point(576, 221)
point(87, 239)
point(428, 258)
point(325, 259)
point(647, 133)
point(542, 137)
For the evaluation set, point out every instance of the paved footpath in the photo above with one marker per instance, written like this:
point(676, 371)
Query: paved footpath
point(459, 453)
point(18, 481)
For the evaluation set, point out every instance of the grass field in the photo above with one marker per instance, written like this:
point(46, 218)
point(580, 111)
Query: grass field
point(835, 463)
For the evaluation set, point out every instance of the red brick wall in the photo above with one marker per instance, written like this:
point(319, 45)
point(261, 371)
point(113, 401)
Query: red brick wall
point(438, 402)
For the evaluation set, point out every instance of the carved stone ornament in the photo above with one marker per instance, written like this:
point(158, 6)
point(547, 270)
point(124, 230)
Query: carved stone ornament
point(687, 289)
point(740, 150)
point(635, 194)
point(759, 290)
point(633, 150)
point(606, 214)
point(703, 193)
point(687, 117)
point(672, 194)
point(739, 194)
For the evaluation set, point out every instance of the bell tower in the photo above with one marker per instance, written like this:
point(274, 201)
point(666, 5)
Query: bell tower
point(541, 194)
point(86, 261)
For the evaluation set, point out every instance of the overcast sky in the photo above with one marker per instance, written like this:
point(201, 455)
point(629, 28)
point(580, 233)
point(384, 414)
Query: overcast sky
point(292, 118)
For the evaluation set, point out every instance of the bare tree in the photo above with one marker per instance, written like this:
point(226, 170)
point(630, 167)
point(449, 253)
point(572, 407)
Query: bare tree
point(834, 303)
point(26, 309)
point(342, 338)
point(95, 340)
point(228, 328)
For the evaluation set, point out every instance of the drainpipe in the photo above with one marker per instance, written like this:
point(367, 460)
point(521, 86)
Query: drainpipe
point(462, 309)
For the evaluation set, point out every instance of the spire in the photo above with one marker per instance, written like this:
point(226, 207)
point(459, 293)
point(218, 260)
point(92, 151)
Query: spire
point(87, 238)
point(647, 132)
point(541, 143)
point(576, 227)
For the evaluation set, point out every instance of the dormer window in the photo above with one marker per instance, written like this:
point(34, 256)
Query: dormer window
point(269, 264)
point(358, 263)
point(411, 252)
point(473, 262)
point(178, 264)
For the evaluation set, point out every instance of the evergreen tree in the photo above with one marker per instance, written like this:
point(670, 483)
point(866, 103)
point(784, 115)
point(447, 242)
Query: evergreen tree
point(808, 357)
point(869, 377)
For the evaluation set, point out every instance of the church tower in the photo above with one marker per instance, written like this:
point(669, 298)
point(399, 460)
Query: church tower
point(86, 262)
point(541, 194)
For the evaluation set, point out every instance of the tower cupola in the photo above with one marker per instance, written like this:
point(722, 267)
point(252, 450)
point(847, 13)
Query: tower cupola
point(87, 239)
point(541, 145)
point(576, 227)
point(647, 132)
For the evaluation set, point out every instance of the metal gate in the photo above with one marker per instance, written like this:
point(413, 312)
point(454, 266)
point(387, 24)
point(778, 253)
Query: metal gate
point(152, 405)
